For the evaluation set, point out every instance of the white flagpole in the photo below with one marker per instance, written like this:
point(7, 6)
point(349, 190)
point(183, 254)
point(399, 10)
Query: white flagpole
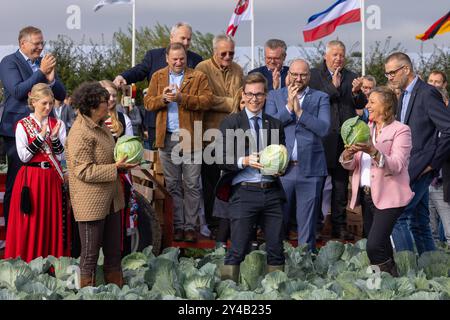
point(363, 39)
point(253, 36)
point(133, 36)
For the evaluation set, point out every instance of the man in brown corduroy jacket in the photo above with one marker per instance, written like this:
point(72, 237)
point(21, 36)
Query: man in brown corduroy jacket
point(179, 95)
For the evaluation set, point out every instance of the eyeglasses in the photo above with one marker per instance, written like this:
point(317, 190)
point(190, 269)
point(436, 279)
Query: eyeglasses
point(225, 53)
point(38, 44)
point(274, 58)
point(251, 95)
point(393, 72)
point(301, 75)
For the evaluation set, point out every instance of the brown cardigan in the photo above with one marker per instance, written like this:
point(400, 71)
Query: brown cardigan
point(93, 179)
point(196, 97)
point(225, 85)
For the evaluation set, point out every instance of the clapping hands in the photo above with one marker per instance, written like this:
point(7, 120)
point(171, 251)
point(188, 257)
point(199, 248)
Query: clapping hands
point(337, 77)
point(276, 78)
point(357, 84)
point(55, 130)
point(172, 93)
point(48, 66)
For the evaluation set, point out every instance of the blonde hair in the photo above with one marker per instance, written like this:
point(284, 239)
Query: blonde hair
point(116, 125)
point(39, 91)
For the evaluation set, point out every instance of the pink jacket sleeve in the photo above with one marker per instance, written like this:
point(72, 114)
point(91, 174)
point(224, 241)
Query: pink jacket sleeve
point(398, 160)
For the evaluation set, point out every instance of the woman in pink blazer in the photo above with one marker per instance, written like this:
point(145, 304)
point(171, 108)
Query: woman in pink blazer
point(380, 179)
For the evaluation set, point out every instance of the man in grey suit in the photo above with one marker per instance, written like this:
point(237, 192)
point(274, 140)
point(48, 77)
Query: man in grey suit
point(305, 114)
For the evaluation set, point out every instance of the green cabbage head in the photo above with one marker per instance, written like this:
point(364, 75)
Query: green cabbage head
point(274, 158)
point(354, 130)
point(131, 147)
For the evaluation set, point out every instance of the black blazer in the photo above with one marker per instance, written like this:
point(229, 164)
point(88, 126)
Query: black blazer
point(268, 75)
point(446, 179)
point(343, 106)
point(426, 116)
point(154, 60)
point(230, 166)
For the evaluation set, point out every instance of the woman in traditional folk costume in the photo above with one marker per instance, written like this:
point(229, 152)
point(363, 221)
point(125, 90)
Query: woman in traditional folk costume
point(38, 214)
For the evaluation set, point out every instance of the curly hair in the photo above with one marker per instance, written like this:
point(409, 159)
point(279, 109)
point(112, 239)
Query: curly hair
point(88, 96)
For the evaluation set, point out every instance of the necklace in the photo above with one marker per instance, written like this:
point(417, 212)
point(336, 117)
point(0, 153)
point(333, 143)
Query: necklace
point(378, 131)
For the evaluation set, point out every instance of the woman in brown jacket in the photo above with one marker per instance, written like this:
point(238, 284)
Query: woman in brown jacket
point(95, 189)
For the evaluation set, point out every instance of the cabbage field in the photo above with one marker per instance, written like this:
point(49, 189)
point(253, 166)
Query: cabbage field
point(338, 271)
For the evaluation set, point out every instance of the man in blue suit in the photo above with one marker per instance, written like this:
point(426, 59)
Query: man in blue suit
point(274, 71)
point(305, 114)
point(420, 107)
point(19, 72)
point(154, 60)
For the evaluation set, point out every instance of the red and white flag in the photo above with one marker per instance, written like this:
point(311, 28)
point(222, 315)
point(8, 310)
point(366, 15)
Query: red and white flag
point(324, 23)
point(242, 12)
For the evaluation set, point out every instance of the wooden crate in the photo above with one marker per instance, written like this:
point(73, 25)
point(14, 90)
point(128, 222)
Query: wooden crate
point(150, 155)
point(153, 188)
point(355, 223)
point(159, 195)
point(145, 191)
point(158, 167)
point(158, 205)
point(159, 177)
point(356, 210)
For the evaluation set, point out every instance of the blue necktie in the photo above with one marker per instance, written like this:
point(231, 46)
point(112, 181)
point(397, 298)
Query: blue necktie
point(256, 125)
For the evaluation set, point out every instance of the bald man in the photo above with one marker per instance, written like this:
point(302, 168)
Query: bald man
point(305, 114)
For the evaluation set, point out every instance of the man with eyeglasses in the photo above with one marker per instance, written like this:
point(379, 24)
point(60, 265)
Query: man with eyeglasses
point(420, 107)
point(368, 83)
point(19, 72)
point(254, 196)
point(305, 114)
point(345, 97)
point(225, 80)
point(274, 71)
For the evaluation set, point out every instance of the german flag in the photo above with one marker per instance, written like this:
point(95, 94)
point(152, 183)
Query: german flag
point(439, 27)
